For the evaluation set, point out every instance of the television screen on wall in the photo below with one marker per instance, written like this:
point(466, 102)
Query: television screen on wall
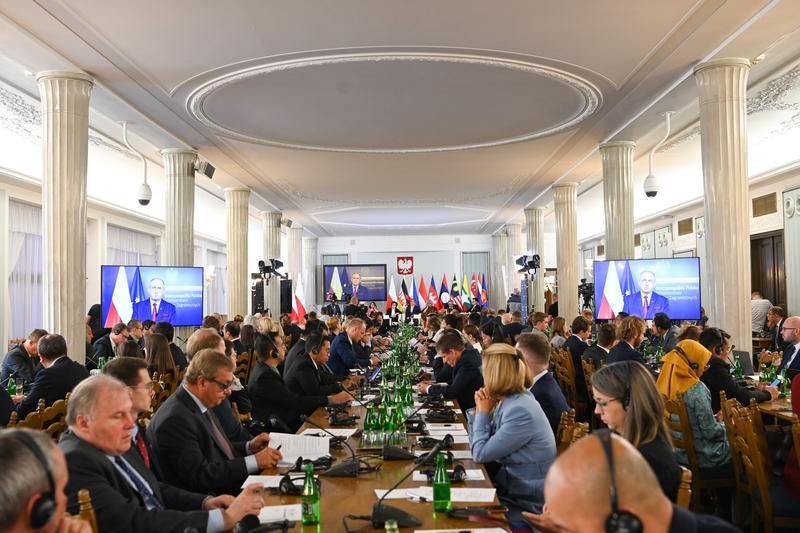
point(644, 287)
point(365, 282)
point(161, 294)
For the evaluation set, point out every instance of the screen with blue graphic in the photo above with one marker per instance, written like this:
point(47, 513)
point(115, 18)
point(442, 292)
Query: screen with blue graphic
point(365, 282)
point(161, 294)
point(645, 287)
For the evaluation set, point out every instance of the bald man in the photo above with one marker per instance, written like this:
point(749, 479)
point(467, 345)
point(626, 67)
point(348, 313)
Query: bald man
point(581, 474)
point(791, 335)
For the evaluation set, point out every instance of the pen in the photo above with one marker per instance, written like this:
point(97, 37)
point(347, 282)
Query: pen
point(279, 447)
point(420, 498)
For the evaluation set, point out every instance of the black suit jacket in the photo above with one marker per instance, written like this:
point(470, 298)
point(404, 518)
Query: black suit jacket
point(717, 377)
point(18, 360)
point(295, 351)
point(576, 347)
point(53, 384)
point(270, 396)
point(239, 347)
point(442, 372)
point(104, 347)
point(778, 344)
point(188, 451)
point(178, 357)
point(6, 407)
point(118, 506)
point(305, 379)
point(595, 354)
point(155, 466)
point(549, 395)
point(228, 421)
point(512, 330)
point(467, 379)
point(624, 352)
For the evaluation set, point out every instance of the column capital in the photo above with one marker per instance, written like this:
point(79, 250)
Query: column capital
point(535, 208)
point(64, 75)
point(566, 185)
point(736, 62)
point(237, 189)
point(617, 144)
point(177, 151)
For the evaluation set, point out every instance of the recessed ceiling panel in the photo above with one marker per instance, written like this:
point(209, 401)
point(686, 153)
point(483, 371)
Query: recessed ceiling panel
point(402, 216)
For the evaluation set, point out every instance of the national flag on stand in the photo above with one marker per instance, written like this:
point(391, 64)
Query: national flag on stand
point(455, 295)
point(465, 293)
point(299, 303)
point(121, 308)
point(335, 288)
point(391, 296)
point(433, 294)
point(612, 302)
point(484, 297)
point(414, 294)
point(423, 293)
point(627, 284)
point(444, 292)
point(344, 281)
point(474, 288)
point(403, 297)
point(137, 291)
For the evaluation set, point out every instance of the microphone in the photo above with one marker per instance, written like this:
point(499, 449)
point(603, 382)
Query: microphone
point(251, 524)
point(348, 468)
point(277, 424)
point(396, 453)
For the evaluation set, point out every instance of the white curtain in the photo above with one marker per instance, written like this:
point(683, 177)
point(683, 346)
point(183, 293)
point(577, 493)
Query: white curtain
point(25, 264)
point(130, 248)
point(216, 293)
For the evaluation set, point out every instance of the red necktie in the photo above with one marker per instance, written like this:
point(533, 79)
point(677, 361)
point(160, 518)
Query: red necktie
point(155, 313)
point(223, 442)
point(142, 447)
point(646, 307)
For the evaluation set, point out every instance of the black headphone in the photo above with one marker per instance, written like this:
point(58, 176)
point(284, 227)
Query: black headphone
point(321, 463)
point(315, 350)
point(430, 442)
point(45, 507)
point(693, 366)
point(626, 401)
point(445, 415)
point(430, 460)
point(618, 521)
point(119, 328)
point(288, 485)
point(720, 339)
point(458, 475)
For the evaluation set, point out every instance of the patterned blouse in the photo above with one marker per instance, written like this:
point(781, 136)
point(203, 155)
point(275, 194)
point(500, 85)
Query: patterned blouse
point(710, 438)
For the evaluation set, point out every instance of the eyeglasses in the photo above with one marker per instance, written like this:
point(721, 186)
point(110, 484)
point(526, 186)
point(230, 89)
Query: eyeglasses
point(602, 405)
point(149, 386)
point(223, 386)
point(784, 328)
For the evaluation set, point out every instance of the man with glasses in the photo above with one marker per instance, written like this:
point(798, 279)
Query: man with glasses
point(718, 377)
point(107, 345)
point(791, 335)
point(155, 308)
point(192, 449)
point(137, 331)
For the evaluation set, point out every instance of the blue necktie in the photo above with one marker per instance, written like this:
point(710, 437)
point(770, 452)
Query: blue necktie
point(147, 494)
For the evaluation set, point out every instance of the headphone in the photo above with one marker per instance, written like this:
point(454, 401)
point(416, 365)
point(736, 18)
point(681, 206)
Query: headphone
point(321, 463)
point(430, 442)
point(458, 475)
point(431, 459)
point(315, 350)
point(618, 521)
point(444, 416)
point(119, 328)
point(693, 366)
point(719, 338)
point(288, 485)
point(45, 507)
point(626, 401)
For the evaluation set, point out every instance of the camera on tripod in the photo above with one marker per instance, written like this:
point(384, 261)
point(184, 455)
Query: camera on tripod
point(586, 291)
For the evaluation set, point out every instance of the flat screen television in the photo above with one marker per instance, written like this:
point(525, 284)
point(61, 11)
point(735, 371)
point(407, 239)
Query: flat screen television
point(170, 294)
point(366, 282)
point(670, 286)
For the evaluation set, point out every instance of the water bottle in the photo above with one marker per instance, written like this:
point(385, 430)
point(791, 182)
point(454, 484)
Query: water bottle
point(309, 499)
point(369, 426)
point(738, 373)
point(441, 486)
point(12, 387)
point(391, 526)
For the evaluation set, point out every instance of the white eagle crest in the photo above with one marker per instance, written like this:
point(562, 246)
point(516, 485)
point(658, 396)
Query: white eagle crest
point(404, 266)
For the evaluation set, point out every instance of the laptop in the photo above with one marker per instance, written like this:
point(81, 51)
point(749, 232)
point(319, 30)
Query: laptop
point(745, 360)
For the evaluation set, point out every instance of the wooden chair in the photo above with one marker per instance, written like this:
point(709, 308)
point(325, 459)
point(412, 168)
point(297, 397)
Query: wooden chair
point(54, 418)
point(571, 389)
point(685, 488)
point(241, 417)
point(564, 432)
point(588, 373)
point(178, 380)
point(579, 430)
point(86, 510)
point(287, 342)
point(161, 394)
point(768, 358)
point(686, 443)
point(32, 421)
point(770, 503)
point(743, 486)
point(242, 367)
point(13, 343)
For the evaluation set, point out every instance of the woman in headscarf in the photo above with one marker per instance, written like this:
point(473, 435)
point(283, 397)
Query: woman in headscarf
point(682, 369)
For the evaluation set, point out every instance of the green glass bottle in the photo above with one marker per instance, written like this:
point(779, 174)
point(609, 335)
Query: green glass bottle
point(391, 526)
point(388, 423)
point(12, 387)
point(368, 436)
point(784, 387)
point(310, 498)
point(380, 424)
point(738, 373)
point(441, 486)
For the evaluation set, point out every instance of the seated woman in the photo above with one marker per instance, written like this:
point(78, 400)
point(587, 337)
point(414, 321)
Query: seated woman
point(682, 369)
point(372, 309)
point(629, 403)
point(508, 425)
point(492, 333)
point(558, 332)
point(474, 336)
point(130, 348)
point(159, 357)
point(247, 334)
point(393, 313)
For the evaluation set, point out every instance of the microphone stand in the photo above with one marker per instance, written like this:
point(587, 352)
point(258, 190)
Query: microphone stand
point(349, 468)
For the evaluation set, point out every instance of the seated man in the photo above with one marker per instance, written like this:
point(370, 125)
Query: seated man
point(31, 466)
point(515, 327)
point(718, 377)
point(23, 360)
point(193, 451)
point(536, 351)
point(343, 356)
point(269, 393)
point(108, 345)
point(606, 339)
point(539, 321)
point(576, 344)
point(126, 496)
point(231, 333)
point(299, 347)
point(666, 335)
point(582, 475)
point(467, 377)
point(60, 375)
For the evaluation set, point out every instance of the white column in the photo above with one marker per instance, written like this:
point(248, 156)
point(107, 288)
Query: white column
point(65, 152)
point(514, 237)
point(618, 198)
point(310, 266)
point(534, 221)
point(566, 198)
point(499, 261)
point(272, 250)
point(295, 260)
point(179, 226)
point(237, 200)
point(722, 87)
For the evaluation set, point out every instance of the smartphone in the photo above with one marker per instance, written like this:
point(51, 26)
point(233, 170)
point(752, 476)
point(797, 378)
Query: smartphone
point(775, 383)
point(495, 508)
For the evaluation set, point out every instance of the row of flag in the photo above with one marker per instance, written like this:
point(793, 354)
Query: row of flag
point(420, 295)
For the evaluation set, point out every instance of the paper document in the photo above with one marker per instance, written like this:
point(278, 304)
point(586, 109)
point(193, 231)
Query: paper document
point(276, 513)
point(472, 475)
point(460, 495)
point(267, 482)
point(294, 446)
point(461, 454)
point(435, 433)
point(443, 427)
point(448, 403)
point(314, 432)
point(473, 530)
point(457, 439)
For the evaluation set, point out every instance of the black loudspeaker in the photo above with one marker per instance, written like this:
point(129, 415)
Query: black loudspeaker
point(286, 296)
point(257, 295)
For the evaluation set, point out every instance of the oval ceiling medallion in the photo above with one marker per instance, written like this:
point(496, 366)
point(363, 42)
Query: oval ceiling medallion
point(393, 103)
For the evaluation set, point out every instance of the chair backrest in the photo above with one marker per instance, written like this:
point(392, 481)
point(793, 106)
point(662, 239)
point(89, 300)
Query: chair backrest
point(54, 418)
point(588, 372)
point(240, 416)
point(178, 380)
point(32, 421)
point(87, 510)
point(242, 367)
point(161, 393)
point(760, 436)
point(566, 377)
point(287, 342)
point(579, 430)
point(685, 488)
point(565, 431)
point(727, 407)
point(751, 457)
point(685, 442)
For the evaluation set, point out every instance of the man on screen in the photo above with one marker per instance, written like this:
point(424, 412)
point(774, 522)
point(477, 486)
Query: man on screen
point(360, 291)
point(646, 303)
point(155, 308)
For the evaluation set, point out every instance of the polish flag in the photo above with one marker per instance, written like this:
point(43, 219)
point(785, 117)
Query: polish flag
point(391, 296)
point(121, 308)
point(613, 301)
point(298, 303)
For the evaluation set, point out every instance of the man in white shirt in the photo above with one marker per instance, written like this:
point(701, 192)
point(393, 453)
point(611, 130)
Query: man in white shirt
point(758, 311)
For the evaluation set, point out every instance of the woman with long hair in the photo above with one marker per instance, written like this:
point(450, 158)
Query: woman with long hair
point(159, 357)
point(248, 336)
point(372, 309)
point(508, 425)
point(558, 332)
point(130, 348)
point(492, 333)
point(474, 336)
point(628, 402)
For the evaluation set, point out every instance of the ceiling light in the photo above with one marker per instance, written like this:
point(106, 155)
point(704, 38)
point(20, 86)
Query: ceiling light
point(143, 193)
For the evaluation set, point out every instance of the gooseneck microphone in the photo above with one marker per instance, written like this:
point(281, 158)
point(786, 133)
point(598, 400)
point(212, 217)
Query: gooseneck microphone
point(349, 468)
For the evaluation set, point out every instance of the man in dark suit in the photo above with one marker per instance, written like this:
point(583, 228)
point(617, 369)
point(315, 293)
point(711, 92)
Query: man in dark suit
point(192, 449)
point(359, 291)
point(59, 376)
point(299, 347)
point(791, 334)
point(333, 307)
point(269, 393)
point(155, 308)
point(290, 329)
point(178, 357)
point(646, 303)
point(630, 333)
point(606, 339)
point(576, 344)
point(553, 309)
point(307, 378)
point(343, 357)
point(23, 360)
point(536, 351)
point(466, 363)
point(126, 496)
point(776, 316)
point(137, 331)
point(107, 345)
point(515, 327)
point(666, 334)
point(231, 333)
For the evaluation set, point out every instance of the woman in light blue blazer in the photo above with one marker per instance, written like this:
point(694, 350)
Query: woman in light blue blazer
point(508, 425)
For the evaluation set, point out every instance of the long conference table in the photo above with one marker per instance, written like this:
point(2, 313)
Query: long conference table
point(356, 495)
